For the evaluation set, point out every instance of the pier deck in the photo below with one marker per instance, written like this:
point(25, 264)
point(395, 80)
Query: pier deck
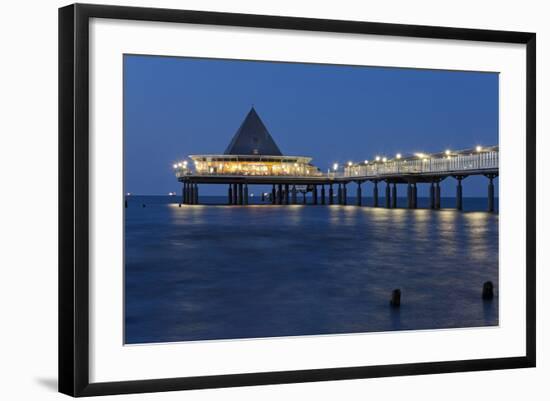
point(411, 170)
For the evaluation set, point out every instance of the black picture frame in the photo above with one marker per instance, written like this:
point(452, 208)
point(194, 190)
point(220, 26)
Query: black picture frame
point(74, 203)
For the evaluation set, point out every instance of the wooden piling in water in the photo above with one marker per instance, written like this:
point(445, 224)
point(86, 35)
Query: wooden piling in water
point(487, 292)
point(395, 300)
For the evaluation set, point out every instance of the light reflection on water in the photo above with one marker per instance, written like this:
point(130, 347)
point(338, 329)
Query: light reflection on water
point(220, 272)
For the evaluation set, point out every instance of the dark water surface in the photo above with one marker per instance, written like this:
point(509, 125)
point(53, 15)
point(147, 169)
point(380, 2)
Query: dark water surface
point(225, 272)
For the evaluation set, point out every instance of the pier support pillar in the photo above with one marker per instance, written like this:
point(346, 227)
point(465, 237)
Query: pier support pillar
point(191, 195)
point(273, 195)
point(229, 195)
point(339, 194)
point(432, 195)
point(287, 194)
point(314, 193)
point(323, 201)
point(375, 194)
point(294, 200)
point(241, 194)
point(330, 195)
point(183, 192)
point(459, 192)
point(437, 196)
point(387, 200)
point(344, 195)
point(280, 194)
point(196, 194)
point(304, 198)
point(235, 195)
point(491, 194)
point(409, 195)
point(359, 195)
point(245, 197)
point(394, 196)
point(414, 196)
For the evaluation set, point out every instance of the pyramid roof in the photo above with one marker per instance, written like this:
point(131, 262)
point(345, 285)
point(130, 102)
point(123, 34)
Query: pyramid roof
point(252, 138)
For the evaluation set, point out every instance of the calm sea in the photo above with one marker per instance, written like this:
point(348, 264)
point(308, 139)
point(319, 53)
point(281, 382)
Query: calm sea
point(227, 272)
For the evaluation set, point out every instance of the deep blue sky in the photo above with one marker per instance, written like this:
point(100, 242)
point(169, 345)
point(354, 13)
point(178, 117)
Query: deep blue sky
point(174, 107)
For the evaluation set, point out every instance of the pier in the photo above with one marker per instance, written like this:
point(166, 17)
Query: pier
point(253, 158)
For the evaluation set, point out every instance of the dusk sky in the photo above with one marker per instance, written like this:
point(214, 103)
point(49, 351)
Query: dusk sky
point(174, 107)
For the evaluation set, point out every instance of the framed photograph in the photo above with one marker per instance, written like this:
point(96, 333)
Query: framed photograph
point(250, 199)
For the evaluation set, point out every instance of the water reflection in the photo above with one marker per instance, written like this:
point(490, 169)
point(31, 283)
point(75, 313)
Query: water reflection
point(479, 230)
point(446, 227)
point(217, 272)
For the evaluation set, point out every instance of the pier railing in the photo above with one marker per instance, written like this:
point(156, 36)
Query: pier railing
point(441, 165)
point(189, 172)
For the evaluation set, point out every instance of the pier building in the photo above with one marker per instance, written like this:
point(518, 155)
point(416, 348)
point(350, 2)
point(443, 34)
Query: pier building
point(253, 152)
